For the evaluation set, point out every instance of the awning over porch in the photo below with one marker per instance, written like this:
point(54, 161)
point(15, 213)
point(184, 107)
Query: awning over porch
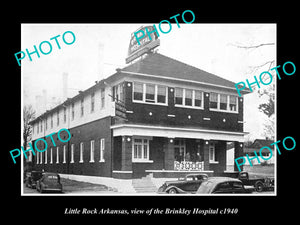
point(175, 132)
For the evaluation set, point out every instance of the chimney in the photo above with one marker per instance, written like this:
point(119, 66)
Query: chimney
point(38, 104)
point(100, 62)
point(44, 106)
point(65, 86)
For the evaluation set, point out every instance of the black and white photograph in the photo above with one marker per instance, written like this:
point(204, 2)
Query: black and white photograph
point(150, 111)
point(149, 114)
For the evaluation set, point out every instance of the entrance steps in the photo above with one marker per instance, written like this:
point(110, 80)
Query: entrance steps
point(144, 185)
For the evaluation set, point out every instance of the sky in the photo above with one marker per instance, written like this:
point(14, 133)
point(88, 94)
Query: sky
point(210, 47)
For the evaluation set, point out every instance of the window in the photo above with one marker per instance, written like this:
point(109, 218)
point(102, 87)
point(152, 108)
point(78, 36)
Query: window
point(72, 153)
point(179, 149)
point(122, 97)
point(51, 121)
point(46, 153)
point(140, 150)
point(64, 154)
point(118, 93)
point(223, 102)
point(102, 98)
point(73, 112)
point(57, 117)
point(46, 123)
point(213, 101)
point(188, 97)
point(82, 107)
point(51, 156)
point(178, 96)
point(57, 154)
point(92, 102)
point(138, 91)
point(198, 98)
point(37, 158)
point(65, 114)
point(150, 93)
point(102, 147)
point(212, 158)
point(145, 149)
point(222, 187)
point(161, 94)
point(237, 185)
point(92, 153)
point(233, 103)
point(81, 152)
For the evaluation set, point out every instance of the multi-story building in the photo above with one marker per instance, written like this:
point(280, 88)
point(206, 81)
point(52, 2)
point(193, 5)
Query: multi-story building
point(157, 115)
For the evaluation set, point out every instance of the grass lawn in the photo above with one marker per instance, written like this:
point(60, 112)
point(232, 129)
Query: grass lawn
point(257, 169)
point(79, 186)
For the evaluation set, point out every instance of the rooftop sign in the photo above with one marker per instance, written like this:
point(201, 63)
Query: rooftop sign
point(145, 43)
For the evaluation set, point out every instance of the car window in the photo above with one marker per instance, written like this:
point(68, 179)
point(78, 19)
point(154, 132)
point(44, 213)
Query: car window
point(237, 185)
point(243, 175)
point(52, 177)
point(198, 177)
point(189, 178)
point(225, 186)
point(201, 177)
point(205, 187)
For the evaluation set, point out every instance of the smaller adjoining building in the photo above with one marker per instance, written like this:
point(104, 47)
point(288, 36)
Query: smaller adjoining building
point(255, 147)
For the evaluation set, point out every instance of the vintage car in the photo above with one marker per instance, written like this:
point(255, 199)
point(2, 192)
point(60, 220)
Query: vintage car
point(223, 185)
point(32, 177)
point(49, 182)
point(259, 182)
point(188, 184)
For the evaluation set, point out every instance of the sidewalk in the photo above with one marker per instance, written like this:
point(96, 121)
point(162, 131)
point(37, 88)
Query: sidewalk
point(123, 186)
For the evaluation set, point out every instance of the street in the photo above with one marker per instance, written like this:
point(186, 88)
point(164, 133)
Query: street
point(76, 187)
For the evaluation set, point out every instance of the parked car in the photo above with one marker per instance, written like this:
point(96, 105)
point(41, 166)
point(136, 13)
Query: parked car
point(32, 178)
point(259, 182)
point(188, 184)
point(49, 182)
point(223, 185)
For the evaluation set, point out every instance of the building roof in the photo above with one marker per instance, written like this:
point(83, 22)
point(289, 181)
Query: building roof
point(69, 101)
point(258, 144)
point(164, 66)
point(158, 65)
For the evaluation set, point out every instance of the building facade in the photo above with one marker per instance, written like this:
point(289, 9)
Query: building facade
point(157, 115)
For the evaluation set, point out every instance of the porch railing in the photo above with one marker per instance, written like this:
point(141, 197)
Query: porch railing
point(188, 166)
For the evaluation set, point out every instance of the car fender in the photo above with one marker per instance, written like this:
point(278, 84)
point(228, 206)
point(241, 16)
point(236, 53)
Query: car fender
point(177, 189)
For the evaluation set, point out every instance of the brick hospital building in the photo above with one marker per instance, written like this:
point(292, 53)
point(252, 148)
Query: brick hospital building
point(156, 115)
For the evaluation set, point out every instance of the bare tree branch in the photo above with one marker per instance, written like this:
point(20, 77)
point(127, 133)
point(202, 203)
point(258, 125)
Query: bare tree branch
point(252, 46)
point(253, 69)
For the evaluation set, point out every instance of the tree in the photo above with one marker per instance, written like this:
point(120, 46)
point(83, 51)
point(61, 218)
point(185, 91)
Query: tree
point(28, 115)
point(268, 106)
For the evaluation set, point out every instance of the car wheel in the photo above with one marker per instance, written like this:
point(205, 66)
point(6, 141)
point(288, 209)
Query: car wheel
point(172, 191)
point(259, 186)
